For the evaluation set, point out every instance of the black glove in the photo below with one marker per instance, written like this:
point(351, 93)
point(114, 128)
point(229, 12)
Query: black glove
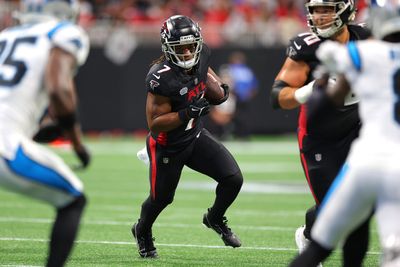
point(199, 107)
point(84, 157)
point(48, 133)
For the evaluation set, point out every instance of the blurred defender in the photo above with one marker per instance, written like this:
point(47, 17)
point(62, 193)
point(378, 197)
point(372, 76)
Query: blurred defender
point(324, 137)
point(176, 101)
point(37, 62)
point(371, 176)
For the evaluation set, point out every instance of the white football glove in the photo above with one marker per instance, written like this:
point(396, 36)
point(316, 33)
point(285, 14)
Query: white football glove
point(143, 156)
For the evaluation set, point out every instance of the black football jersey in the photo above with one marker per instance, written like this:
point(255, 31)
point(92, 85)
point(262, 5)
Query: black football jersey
point(171, 81)
point(337, 122)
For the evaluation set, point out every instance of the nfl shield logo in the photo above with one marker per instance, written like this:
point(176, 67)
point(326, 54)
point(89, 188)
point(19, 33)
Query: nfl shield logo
point(318, 157)
point(183, 91)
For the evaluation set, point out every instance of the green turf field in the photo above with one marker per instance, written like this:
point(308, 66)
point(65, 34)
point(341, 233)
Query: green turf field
point(265, 215)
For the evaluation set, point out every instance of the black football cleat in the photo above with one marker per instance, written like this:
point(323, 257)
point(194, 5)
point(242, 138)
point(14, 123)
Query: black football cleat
point(144, 243)
point(221, 227)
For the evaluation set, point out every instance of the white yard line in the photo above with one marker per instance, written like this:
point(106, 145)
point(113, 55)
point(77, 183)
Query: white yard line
point(240, 148)
point(158, 244)
point(129, 223)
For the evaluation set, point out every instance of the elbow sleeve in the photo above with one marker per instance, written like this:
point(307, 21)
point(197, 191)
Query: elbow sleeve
point(274, 96)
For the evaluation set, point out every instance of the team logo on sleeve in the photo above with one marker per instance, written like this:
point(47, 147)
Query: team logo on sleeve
point(154, 84)
point(291, 51)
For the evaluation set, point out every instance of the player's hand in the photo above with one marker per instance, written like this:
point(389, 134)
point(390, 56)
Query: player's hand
point(199, 107)
point(83, 155)
point(225, 87)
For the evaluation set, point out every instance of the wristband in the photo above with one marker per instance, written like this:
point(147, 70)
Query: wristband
point(67, 121)
point(303, 93)
point(183, 115)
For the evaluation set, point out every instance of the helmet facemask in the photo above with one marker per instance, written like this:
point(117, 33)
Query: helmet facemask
point(175, 51)
point(342, 13)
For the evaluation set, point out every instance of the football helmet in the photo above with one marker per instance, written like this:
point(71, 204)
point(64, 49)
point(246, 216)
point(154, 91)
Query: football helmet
point(178, 35)
point(41, 10)
point(384, 17)
point(344, 12)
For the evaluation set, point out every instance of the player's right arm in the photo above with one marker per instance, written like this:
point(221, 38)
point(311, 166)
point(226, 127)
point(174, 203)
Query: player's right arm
point(160, 117)
point(290, 78)
point(290, 89)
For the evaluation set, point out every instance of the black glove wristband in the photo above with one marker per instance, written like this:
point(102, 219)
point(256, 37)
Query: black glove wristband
point(67, 121)
point(183, 115)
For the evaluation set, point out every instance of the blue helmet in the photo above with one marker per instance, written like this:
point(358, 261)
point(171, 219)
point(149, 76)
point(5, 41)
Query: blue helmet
point(40, 10)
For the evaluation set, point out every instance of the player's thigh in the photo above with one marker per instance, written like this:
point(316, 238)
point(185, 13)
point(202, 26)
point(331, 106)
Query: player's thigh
point(211, 158)
point(164, 171)
point(39, 173)
point(349, 202)
point(322, 165)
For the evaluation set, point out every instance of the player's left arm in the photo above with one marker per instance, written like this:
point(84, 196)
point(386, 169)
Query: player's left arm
point(335, 57)
point(70, 50)
point(339, 91)
point(63, 101)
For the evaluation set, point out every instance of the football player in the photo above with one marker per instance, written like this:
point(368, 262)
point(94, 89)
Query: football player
point(176, 102)
point(324, 138)
point(38, 60)
point(370, 177)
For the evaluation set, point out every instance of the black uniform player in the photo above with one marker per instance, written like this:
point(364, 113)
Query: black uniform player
point(324, 137)
point(175, 105)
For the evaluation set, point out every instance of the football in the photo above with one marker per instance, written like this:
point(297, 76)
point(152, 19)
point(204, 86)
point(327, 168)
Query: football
point(213, 92)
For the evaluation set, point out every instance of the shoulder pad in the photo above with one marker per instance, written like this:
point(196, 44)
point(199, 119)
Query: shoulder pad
point(70, 38)
point(157, 77)
point(359, 32)
point(303, 46)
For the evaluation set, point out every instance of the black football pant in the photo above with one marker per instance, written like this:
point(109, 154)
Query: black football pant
point(64, 232)
point(205, 155)
point(321, 163)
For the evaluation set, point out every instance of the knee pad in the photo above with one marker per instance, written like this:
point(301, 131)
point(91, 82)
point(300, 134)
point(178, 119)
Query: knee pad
point(235, 180)
point(78, 203)
point(391, 251)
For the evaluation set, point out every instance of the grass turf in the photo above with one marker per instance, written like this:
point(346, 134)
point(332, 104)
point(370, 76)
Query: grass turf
point(265, 215)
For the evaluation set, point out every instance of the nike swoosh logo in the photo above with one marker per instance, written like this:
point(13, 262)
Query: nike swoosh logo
point(157, 76)
point(298, 47)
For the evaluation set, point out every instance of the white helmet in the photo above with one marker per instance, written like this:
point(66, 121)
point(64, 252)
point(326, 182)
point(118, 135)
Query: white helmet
point(41, 10)
point(384, 17)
